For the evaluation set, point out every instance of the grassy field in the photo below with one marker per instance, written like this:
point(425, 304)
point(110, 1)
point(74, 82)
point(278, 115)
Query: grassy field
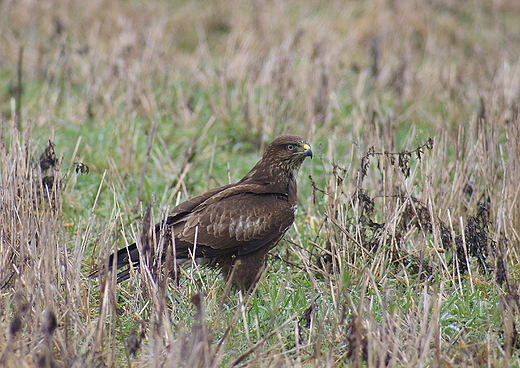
point(406, 247)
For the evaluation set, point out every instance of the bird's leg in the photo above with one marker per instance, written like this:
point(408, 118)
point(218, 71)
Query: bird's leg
point(245, 270)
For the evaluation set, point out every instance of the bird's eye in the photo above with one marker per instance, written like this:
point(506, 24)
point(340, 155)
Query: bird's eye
point(290, 147)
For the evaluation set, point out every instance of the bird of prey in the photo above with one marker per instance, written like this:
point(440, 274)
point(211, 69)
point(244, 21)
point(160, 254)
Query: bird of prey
point(234, 226)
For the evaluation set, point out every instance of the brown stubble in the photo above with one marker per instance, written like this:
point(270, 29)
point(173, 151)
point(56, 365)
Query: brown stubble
point(350, 76)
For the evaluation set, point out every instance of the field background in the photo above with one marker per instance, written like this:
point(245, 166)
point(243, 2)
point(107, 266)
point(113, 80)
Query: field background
point(406, 248)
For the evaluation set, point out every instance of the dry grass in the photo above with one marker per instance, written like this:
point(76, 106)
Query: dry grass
point(405, 251)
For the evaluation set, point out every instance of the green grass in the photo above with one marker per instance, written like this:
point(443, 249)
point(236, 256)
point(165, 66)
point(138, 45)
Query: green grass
point(165, 100)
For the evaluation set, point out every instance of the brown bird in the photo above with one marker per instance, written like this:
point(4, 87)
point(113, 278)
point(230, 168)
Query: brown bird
point(232, 227)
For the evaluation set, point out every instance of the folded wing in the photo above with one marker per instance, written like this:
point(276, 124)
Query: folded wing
point(240, 223)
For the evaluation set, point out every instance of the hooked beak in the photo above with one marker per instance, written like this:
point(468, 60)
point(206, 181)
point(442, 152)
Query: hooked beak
point(307, 150)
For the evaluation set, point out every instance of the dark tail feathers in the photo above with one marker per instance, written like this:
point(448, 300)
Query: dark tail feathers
point(123, 258)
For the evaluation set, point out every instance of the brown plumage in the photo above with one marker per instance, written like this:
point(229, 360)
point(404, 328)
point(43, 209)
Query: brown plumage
point(233, 226)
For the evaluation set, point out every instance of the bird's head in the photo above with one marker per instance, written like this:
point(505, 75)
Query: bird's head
point(281, 161)
point(288, 151)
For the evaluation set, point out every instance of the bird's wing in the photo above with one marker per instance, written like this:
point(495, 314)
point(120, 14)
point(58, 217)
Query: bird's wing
point(239, 219)
point(189, 205)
